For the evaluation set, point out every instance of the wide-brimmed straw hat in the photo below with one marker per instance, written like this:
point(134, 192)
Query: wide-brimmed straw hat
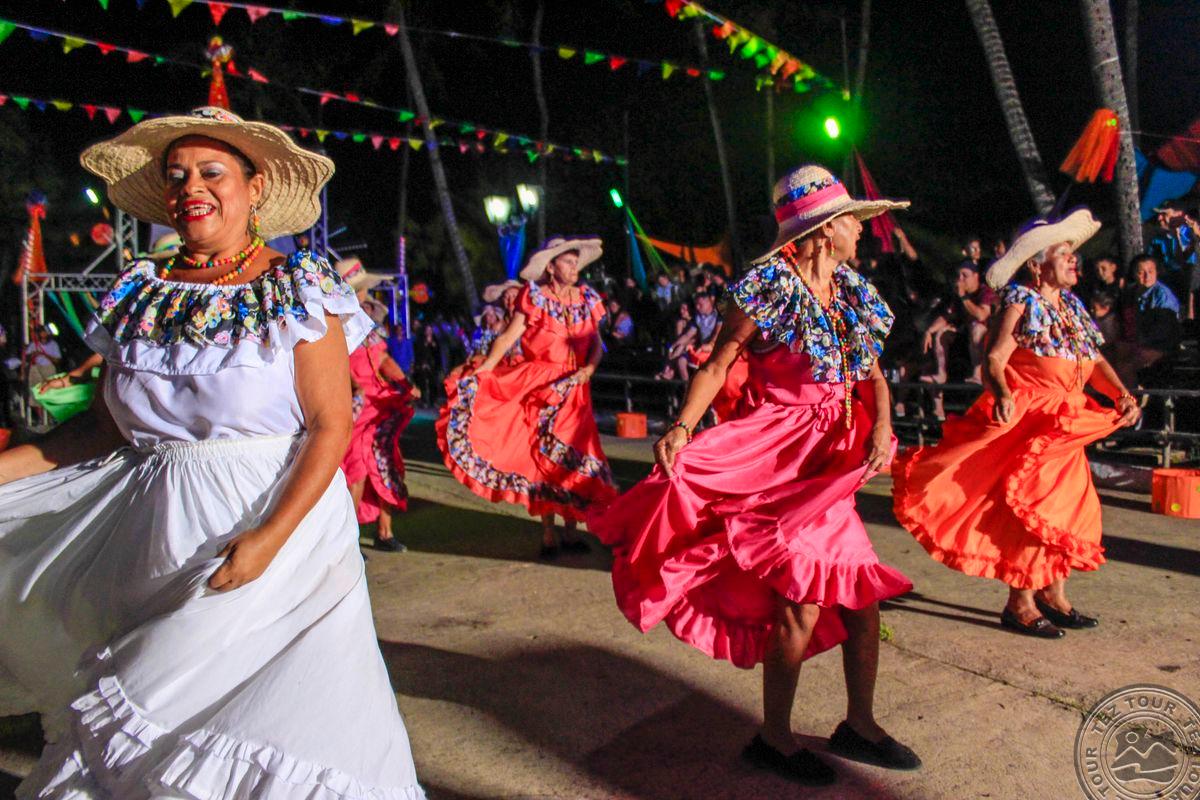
point(493, 292)
point(588, 246)
point(1074, 229)
point(376, 310)
point(354, 272)
point(132, 166)
point(808, 197)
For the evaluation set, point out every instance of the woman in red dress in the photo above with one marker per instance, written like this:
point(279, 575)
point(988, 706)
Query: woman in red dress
point(746, 541)
point(1007, 493)
point(382, 405)
point(523, 432)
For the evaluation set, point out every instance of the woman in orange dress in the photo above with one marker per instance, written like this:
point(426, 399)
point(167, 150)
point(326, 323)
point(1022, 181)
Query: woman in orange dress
point(523, 432)
point(1007, 494)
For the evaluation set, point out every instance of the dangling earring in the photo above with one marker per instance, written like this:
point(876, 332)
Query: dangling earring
point(255, 222)
point(1037, 277)
point(829, 246)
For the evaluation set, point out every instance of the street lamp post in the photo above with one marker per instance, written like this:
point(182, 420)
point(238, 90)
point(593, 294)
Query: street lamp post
point(510, 221)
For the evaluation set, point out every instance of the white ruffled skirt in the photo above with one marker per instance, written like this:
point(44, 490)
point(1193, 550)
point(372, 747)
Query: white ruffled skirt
point(152, 685)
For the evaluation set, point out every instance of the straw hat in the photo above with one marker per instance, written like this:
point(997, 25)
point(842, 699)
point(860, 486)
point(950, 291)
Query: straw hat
point(588, 246)
point(1074, 229)
point(495, 291)
point(808, 197)
point(376, 310)
point(355, 273)
point(132, 166)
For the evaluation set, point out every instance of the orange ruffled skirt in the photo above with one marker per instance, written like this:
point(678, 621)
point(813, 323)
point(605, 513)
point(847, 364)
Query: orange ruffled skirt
point(1015, 501)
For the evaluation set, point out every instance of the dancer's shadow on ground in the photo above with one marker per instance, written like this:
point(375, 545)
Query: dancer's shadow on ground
point(634, 729)
point(20, 734)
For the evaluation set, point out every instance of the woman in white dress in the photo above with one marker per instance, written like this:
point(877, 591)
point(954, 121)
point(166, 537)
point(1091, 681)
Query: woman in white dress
point(181, 590)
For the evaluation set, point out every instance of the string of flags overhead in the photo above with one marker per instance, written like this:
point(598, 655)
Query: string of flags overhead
point(778, 67)
point(500, 140)
point(588, 56)
point(479, 141)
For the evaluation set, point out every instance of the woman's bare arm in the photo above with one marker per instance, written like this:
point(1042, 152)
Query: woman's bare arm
point(504, 342)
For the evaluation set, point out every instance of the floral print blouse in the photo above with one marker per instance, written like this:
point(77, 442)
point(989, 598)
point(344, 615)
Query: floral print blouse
point(786, 312)
point(1065, 332)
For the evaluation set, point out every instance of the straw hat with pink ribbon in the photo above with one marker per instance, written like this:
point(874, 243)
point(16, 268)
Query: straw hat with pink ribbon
point(808, 197)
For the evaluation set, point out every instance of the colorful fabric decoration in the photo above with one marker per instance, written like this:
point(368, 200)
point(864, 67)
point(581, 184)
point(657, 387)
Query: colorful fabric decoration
point(1066, 332)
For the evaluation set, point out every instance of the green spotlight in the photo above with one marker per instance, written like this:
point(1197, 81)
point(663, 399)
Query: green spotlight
point(91, 195)
point(833, 128)
point(618, 201)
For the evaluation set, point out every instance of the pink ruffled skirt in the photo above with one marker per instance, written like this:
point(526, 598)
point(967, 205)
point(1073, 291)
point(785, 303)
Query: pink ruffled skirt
point(757, 508)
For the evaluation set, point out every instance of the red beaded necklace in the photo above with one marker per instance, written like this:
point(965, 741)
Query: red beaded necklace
point(841, 332)
point(242, 259)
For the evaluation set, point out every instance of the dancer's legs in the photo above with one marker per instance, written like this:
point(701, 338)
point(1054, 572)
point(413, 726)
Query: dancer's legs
point(781, 671)
point(860, 663)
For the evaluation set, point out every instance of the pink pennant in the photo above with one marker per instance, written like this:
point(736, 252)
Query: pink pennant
point(479, 147)
point(218, 11)
point(394, 142)
point(90, 110)
point(105, 47)
point(112, 114)
point(327, 96)
point(392, 30)
point(376, 141)
point(256, 75)
point(255, 13)
point(133, 56)
point(3, 99)
point(462, 146)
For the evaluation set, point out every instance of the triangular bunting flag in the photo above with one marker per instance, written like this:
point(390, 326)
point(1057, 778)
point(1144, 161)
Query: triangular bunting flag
point(3, 99)
point(501, 138)
point(616, 62)
point(415, 144)
point(565, 52)
point(71, 42)
point(218, 12)
point(340, 135)
point(105, 47)
point(290, 16)
point(481, 134)
point(394, 142)
point(326, 97)
point(255, 13)
point(715, 75)
point(667, 69)
point(304, 133)
point(353, 98)
point(360, 25)
point(463, 146)
point(321, 135)
point(692, 72)
point(112, 113)
point(133, 56)
point(90, 110)
point(433, 123)
point(22, 102)
point(405, 116)
point(135, 114)
point(332, 20)
point(40, 105)
point(531, 155)
point(391, 29)
point(6, 29)
point(591, 57)
point(359, 138)
point(177, 6)
point(376, 141)
point(255, 75)
point(104, 4)
point(61, 105)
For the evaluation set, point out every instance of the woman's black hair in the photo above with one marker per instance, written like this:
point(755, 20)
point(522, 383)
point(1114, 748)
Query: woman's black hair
point(248, 168)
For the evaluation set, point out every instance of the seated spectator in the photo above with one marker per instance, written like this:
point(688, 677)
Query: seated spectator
point(1151, 324)
point(682, 320)
point(617, 326)
point(693, 347)
point(965, 314)
point(1175, 248)
point(1103, 307)
point(1101, 276)
point(666, 292)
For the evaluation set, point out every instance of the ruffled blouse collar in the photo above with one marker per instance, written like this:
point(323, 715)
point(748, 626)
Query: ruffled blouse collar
point(175, 327)
point(786, 312)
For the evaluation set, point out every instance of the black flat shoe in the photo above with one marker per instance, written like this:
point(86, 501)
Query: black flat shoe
point(887, 753)
point(390, 545)
point(548, 552)
point(801, 766)
point(575, 546)
point(1040, 627)
point(1072, 619)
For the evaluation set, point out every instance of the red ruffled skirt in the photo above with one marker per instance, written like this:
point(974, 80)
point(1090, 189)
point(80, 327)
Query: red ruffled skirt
point(523, 434)
point(756, 508)
point(1015, 501)
point(374, 454)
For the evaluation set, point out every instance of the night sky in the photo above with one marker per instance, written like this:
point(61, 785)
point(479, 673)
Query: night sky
point(932, 129)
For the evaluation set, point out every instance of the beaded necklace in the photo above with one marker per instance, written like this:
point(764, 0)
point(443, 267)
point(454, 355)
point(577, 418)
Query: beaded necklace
point(1065, 318)
point(841, 334)
point(242, 259)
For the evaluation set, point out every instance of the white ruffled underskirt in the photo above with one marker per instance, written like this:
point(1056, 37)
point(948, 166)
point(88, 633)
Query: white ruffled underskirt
point(154, 686)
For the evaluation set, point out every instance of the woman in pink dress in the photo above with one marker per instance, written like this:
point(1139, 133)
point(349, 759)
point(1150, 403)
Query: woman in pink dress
point(746, 541)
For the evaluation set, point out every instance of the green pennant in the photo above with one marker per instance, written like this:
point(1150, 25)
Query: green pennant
point(752, 47)
point(290, 16)
point(135, 114)
point(23, 102)
point(464, 128)
point(761, 60)
point(405, 116)
point(359, 137)
point(801, 87)
point(159, 60)
point(716, 75)
point(6, 29)
point(532, 155)
point(177, 6)
point(104, 4)
point(591, 57)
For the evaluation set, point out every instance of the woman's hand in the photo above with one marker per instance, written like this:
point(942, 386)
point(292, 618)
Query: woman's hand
point(1004, 409)
point(668, 446)
point(414, 392)
point(1129, 410)
point(927, 342)
point(61, 382)
point(581, 375)
point(880, 451)
point(246, 558)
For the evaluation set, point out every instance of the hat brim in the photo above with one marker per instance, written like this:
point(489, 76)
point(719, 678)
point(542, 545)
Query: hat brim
point(365, 280)
point(495, 291)
point(1074, 229)
point(589, 251)
point(861, 209)
point(376, 310)
point(131, 165)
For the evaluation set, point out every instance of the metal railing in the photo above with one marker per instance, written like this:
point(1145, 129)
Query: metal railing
point(661, 399)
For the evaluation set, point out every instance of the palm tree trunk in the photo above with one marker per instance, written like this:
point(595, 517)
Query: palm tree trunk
point(864, 44)
point(1106, 71)
point(435, 162)
point(544, 112)
point(722, 160)
point(1131, 61)
point(1010, 104)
